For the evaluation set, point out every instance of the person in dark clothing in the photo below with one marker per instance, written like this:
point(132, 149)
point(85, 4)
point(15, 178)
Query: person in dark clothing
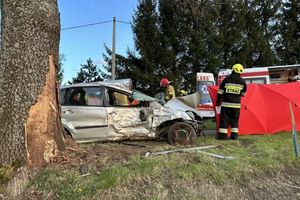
point(232, 88)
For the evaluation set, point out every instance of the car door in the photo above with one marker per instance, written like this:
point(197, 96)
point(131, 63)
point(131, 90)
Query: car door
point(127, 117)
point(83, 113)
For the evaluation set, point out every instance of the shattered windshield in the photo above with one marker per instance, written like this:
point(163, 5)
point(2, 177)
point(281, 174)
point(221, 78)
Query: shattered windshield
point(142, 97)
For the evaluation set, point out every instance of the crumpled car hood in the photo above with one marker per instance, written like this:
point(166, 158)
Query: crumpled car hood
point(173, 109)
point(177, 104)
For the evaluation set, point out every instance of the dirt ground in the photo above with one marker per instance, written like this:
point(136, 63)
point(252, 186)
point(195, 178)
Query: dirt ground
point(283, 185)
point(114, 151)
point(109, 151)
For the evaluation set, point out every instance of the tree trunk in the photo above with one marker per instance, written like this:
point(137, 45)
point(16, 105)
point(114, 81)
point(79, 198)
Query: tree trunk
point(30, 128)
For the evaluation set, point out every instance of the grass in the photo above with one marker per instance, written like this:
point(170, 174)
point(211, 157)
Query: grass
point(210, 123)
point(6, 174)
point(255, 156)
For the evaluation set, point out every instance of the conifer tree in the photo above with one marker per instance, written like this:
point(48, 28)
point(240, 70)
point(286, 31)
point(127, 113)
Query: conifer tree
point(126, 67)
point(178, 38)
point(148, 45)
point(141, 65)
point(88, 73)
point(256, 47)
point(60, 69)
point(288, 44)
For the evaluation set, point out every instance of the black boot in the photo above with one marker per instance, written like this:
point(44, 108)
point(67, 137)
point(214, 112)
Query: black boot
point(221, 136)
point(234, 136)
point(217, 137)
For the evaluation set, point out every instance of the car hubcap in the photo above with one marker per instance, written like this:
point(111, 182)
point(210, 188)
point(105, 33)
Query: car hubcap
point(182, 136)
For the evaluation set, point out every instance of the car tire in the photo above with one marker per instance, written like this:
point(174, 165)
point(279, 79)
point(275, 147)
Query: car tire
point(67, 137)
point(182, 133)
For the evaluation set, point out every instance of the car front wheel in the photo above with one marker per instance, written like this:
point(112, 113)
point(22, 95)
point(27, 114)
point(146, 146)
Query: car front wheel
point(181, 133)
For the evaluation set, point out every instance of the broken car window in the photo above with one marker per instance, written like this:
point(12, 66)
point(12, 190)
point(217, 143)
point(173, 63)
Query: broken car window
point(119, 99)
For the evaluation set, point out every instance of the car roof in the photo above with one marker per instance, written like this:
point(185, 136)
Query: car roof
point(124, 85)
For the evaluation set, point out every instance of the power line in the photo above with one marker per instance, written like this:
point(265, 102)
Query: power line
point(123, 22)
point(85, 25)
point(92, 24)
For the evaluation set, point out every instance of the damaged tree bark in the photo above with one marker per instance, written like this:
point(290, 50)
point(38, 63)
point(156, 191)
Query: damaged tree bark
point(43, 127)
point(30, 128)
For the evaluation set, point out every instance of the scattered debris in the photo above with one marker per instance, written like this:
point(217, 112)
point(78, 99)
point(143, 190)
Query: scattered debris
point(83, 169)
point(133, 144)
point(83, 175)
point(197, 149)
point(147, 154)
point(50, 194)
point(218, 156)
point(292, 186)
point(72, 149)
point(180, 150)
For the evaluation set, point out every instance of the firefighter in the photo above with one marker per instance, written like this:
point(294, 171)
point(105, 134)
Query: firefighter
point(232, 88)
point(169, 89)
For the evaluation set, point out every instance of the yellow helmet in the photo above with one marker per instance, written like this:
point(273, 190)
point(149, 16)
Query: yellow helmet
point(238, 68)
point(183, 92)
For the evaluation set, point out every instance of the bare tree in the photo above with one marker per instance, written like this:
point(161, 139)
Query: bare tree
point(30, 127)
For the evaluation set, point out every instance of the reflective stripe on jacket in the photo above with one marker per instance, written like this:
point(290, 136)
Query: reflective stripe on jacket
point(231, 105)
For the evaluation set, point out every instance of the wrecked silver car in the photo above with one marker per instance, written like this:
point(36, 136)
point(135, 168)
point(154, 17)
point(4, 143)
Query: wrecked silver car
point(111, 111)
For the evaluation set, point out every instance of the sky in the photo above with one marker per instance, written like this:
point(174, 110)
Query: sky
point(80, 44)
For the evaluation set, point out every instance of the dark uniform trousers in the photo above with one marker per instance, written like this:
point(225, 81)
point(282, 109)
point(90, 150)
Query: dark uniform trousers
point(229, 116)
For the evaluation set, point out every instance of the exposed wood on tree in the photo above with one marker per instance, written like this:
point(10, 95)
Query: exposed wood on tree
point(43, 128)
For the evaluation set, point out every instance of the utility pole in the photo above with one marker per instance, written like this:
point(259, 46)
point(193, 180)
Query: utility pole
point(113, 69)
